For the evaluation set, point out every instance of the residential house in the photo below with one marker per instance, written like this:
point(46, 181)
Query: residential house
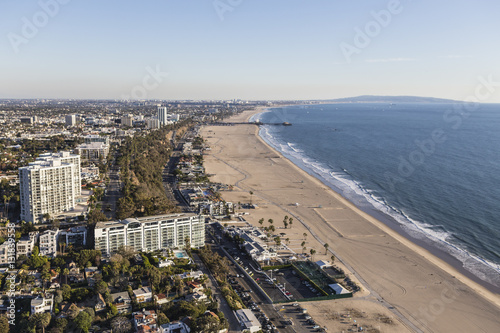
point(145, 321)
point(161, 299)
point(100, 303)
point(144, 294)
point(175, 327)
point(42, 304)
point(122, 302)
point(90, 273)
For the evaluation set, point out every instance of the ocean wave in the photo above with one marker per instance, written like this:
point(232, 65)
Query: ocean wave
point(354, 191)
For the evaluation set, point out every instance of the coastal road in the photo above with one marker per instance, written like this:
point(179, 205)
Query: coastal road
point(113, 190)
point(234, 325)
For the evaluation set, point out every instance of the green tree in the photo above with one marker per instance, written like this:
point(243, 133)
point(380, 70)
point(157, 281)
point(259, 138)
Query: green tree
point(285, 221)
point(290, 222)
point(305, 235)
point(162, 319)
point(102, 287)
point(61, 323)
point(326, 246)
point(4, 324)
point(121, 325)
point(313, 252)
point(261, 222)
point(83, 321)
point(41, 320)
point(251, 194)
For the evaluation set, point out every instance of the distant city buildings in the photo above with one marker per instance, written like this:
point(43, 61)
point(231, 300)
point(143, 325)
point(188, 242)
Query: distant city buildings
point(150, 233)
point(162, 115)
point(49, 185)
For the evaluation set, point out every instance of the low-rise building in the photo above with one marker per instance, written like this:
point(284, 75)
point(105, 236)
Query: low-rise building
point(93, 152)
point(122, 302)
point(248, 321)
point(175, 327)
point(42, 304)
point(48, 243)
point(161, 299)
point(144, 294)
point(90, 273)
point(26, 244)
point(145, 321)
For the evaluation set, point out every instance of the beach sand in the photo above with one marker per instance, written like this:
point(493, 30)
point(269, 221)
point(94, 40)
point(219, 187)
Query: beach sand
point(400, 280)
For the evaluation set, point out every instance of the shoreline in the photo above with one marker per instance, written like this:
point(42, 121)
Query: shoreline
point(382, 219)
point(352, 247)
point(426, 243)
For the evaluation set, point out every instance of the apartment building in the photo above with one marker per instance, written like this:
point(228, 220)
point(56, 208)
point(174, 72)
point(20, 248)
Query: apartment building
point(48, 243)
point(49, 185)
point(93, 152)
point(96, 138)
point(25, 245)
point(150, 233)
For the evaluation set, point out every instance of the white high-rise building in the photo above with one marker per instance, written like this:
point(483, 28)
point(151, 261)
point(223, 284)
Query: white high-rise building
point(162, 115)
point(49, 185)
point(150, 233)
point(71, 120)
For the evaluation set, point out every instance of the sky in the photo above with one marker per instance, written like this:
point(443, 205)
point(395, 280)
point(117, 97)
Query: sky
point(249, 49)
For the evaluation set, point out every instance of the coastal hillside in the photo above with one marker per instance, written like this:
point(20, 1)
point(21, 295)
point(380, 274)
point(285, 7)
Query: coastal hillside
point(392, 99)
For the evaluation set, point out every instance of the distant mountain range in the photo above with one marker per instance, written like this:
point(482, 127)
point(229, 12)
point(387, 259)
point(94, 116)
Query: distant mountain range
point(391, 99)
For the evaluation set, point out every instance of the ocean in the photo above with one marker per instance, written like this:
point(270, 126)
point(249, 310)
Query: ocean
point(430, 171)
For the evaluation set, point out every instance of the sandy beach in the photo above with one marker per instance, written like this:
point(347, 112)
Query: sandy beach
point(400, 280)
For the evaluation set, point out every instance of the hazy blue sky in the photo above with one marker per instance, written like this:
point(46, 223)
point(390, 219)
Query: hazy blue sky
point(248, 49)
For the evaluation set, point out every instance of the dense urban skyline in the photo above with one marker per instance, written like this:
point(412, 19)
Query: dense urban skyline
point(248, 49)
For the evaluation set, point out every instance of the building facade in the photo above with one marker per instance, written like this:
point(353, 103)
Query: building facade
point(162, 115)
point(48, 243)
point(96, 138)
point(150, 233)
point(93, 152)
point(70, 120)
point(49, 185)
point(25, 245)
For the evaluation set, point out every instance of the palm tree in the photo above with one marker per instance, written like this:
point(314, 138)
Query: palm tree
point(285, 221)
point(332, 258)
point(304, 250)
point(305, 235)
point(313, 252)
point(270, 221)
point(65, 273)
point(261, 222)
point(303, 243)
point(290, 221)
point(251, 193)
point(326, 246)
